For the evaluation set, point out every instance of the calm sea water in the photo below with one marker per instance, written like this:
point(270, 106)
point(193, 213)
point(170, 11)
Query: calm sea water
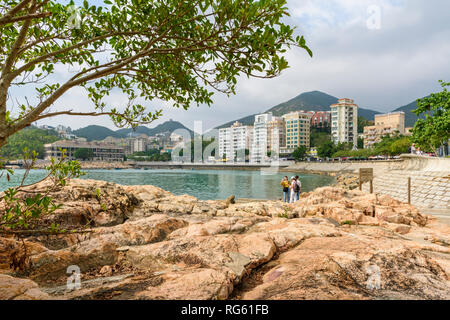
point(203, 184)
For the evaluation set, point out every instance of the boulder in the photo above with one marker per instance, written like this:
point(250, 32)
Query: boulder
point(20, 289)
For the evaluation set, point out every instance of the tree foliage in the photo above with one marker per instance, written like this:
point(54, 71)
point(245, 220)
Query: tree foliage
point(150, 155)
point(173, 50)
point(319, 136)
point(83, 154)
point(326, 149)
point(434, 130)
point(299, 153)
point(32, 139)
point(25, 211)
point(388, 146)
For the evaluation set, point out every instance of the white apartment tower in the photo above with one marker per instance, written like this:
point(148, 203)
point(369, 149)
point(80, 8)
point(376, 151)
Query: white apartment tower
point(258, 152)
point(233, 141)
point(344, 121)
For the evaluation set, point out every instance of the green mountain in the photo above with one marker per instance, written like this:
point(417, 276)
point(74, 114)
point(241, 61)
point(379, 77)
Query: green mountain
point(168, 126)
point(94, 132)
point(308, 101)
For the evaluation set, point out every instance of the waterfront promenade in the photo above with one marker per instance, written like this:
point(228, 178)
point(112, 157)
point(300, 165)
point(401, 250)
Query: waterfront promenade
point(430, 178)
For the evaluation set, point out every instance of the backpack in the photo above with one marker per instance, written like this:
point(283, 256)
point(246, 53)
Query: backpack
point(297, 187)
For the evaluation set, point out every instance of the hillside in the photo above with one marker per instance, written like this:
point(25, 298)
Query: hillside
point(308, 101)
point(168, 126)
point(94, 132)
point(31, 138)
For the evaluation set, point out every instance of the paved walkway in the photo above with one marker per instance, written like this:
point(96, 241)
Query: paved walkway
point(442, 214)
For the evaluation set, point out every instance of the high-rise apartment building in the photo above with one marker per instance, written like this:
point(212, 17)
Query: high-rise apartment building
point(344, 121)
point(385, 124)
point(298, 130)
point(276, 134)
point(259, 147)
point(233, 141)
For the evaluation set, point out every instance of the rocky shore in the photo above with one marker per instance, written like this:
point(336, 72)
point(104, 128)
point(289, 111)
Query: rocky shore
point(146, 243)
point(94, 165)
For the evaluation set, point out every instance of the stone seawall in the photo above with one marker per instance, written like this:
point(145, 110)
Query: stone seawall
point(430, 178)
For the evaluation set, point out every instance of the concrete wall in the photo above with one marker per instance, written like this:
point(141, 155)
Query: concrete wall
point(406, 162)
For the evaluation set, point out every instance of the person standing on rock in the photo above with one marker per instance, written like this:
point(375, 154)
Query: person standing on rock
point(293, 186)
point(298, 188)
point(285, 184)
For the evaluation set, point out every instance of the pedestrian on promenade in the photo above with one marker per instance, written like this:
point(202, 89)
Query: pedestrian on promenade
point(419, 152)
point(298, 188)
point(413, 149)
point(292, 187)
point(285, 184)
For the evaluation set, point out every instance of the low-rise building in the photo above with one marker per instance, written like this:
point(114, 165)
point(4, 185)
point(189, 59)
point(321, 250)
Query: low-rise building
point(101, 151)
point(385, 124)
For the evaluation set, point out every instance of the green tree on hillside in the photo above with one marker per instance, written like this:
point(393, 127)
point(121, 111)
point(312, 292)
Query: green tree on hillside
point(83, 154)
point(32, 139)
point(434, 130)
point(319, 136)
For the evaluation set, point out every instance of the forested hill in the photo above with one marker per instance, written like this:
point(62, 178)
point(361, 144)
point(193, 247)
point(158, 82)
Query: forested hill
point(31, 138)
point(95, 132)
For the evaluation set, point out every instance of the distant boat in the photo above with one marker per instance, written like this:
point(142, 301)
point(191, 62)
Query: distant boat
point(118, 168)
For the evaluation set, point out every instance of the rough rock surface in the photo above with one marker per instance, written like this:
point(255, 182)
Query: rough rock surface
point(20, 289)
point(347, 181)
point(149, 244)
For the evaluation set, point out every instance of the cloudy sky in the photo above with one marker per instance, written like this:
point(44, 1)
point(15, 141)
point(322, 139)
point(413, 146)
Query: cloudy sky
point(382, 53)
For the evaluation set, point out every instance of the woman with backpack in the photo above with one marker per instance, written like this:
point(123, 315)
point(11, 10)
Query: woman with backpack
point(285, 184)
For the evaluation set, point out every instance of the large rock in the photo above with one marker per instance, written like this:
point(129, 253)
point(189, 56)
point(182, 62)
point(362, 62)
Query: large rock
point(20, 289)
point(150, 244)
point(88, 202)
point(352, 268)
